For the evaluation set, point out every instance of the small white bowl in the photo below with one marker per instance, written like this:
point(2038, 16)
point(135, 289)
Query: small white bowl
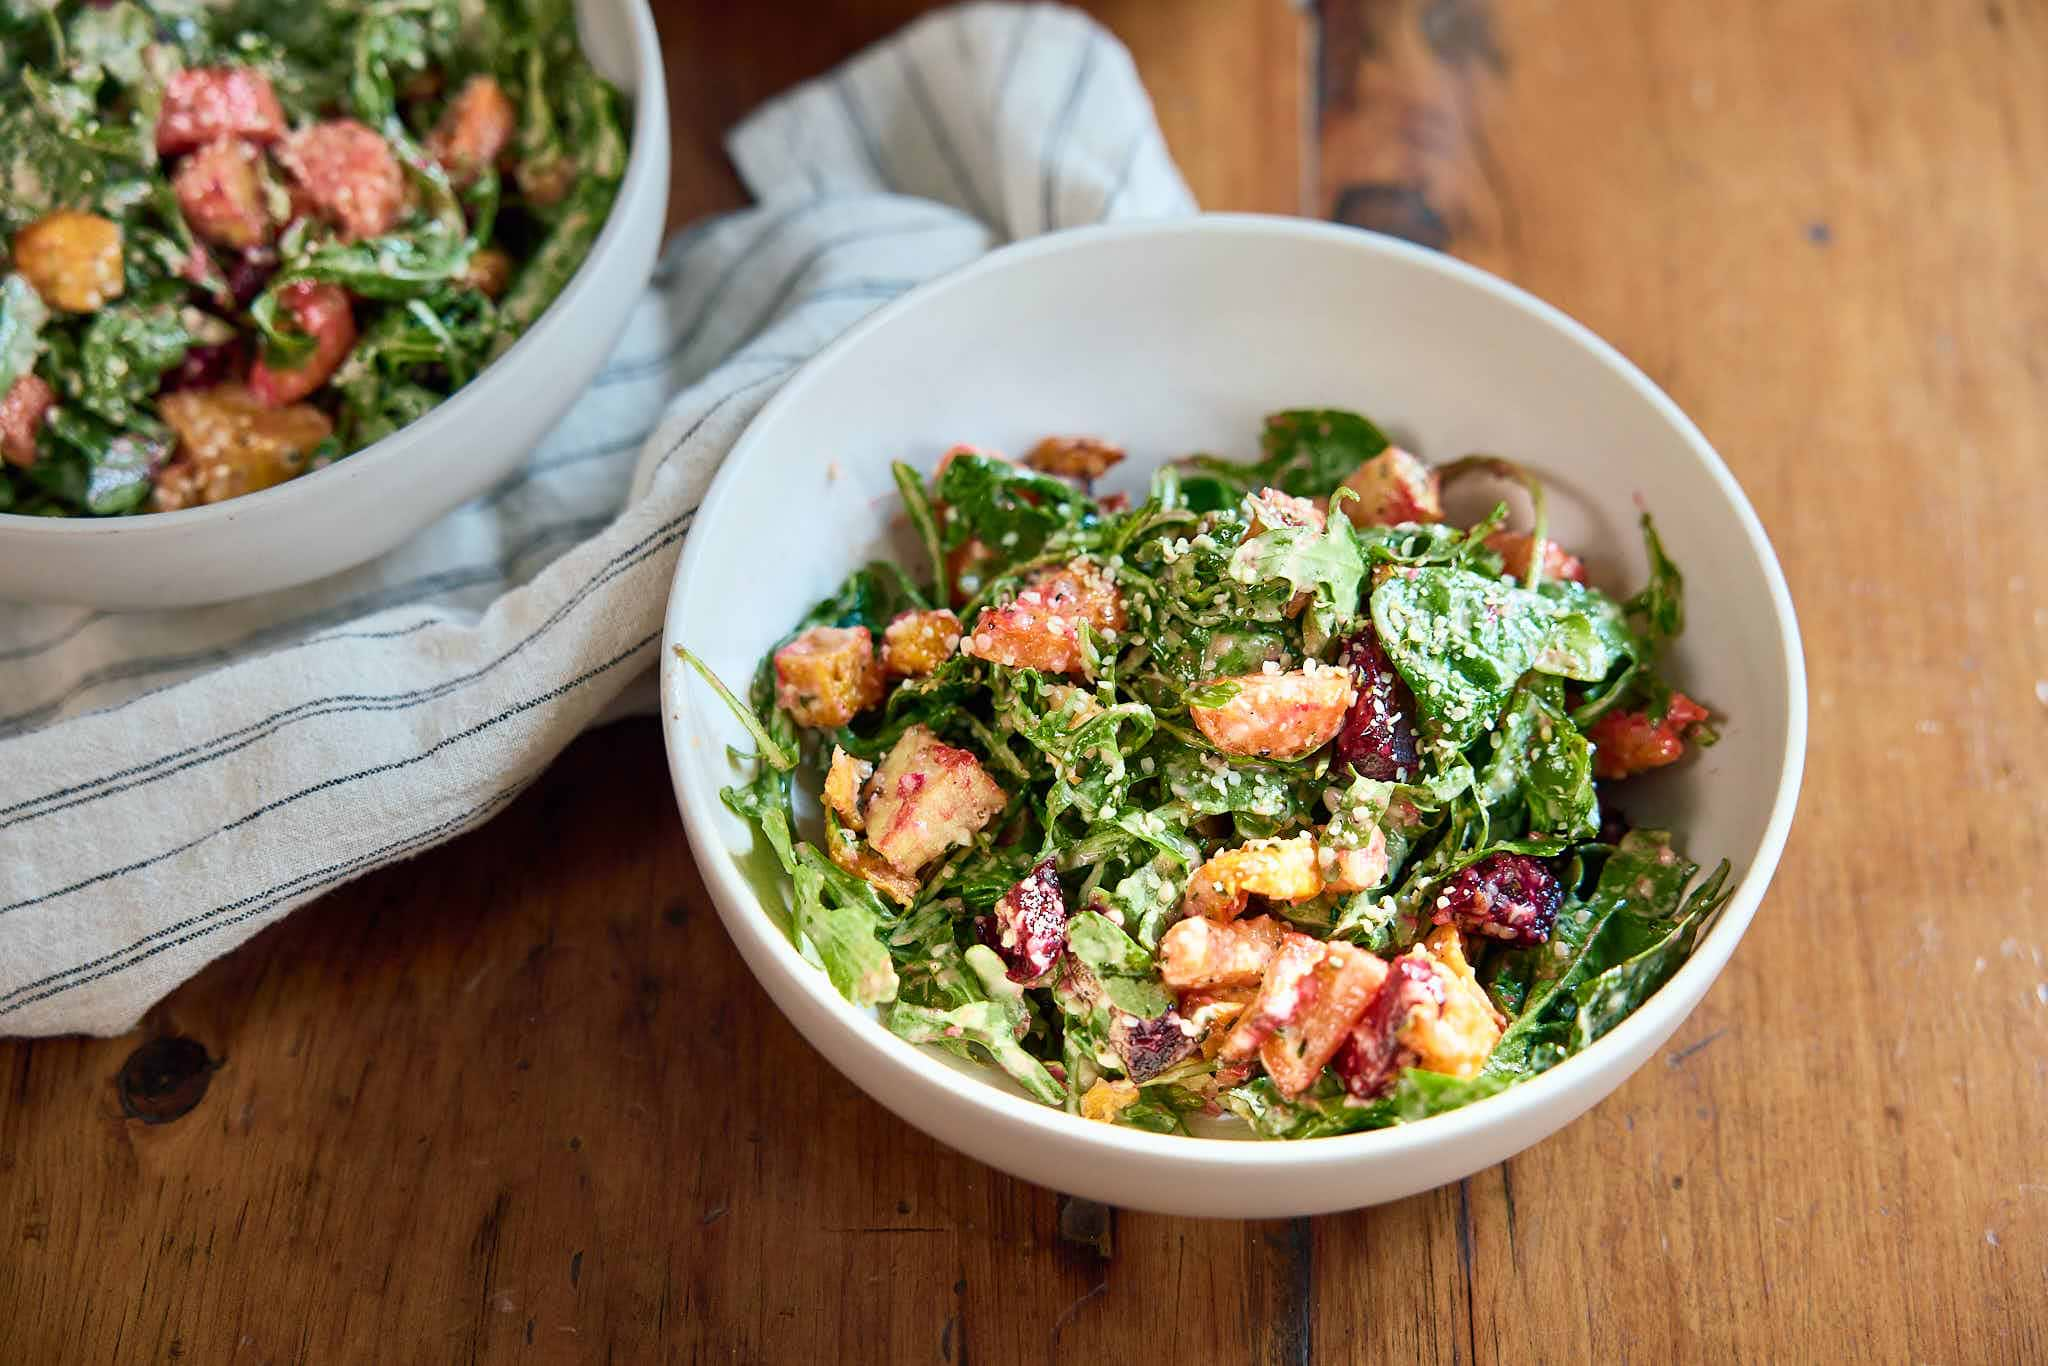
point(1177, 337)
point(361, 506)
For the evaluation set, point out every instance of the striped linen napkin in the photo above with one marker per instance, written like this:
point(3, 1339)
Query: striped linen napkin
point(171, 782)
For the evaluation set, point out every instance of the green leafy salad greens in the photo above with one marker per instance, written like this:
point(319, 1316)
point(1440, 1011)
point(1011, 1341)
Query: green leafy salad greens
point(1272, 798)
point(239, 240)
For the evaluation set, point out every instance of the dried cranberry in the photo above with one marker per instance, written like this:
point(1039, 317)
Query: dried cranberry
point(1031, 924)
point(1378, 739)
point(1373, 1058)
point(1503, 896)
point(249, 272)
point(1613, 824)
point(1149, 1047)
point(204, 367)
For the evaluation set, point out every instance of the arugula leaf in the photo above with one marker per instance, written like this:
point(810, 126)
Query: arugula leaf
point(1659, 607)
point(1326, 563)
point(1306, 452)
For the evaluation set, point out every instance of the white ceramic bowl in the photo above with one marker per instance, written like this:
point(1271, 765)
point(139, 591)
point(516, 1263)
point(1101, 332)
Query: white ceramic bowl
point(360, 507)
point(1177, 337)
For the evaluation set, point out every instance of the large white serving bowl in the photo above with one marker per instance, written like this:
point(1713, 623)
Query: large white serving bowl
point(1175, 337)
point(358, 508)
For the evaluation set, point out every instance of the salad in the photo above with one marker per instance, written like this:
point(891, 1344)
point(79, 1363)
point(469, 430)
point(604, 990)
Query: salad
point(1274, 798)
point(239, 241)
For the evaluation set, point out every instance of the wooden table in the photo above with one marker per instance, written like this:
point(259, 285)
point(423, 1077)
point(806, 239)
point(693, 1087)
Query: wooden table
point(519, 1097)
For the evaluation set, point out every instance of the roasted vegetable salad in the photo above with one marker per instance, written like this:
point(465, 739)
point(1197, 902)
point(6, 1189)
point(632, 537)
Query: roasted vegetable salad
point(244, 240)
point(1274, 798)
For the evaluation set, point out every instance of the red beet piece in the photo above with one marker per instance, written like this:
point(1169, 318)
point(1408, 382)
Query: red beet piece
point(1378, 739)
point(204, 367)
point(1373, 1058)
point(249, 272)
point(1503, 896)
point(1031, 924)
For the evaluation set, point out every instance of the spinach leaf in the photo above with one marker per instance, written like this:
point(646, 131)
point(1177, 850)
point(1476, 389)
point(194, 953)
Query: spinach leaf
point(1012, 511)
point(22, 315)
point(103, 469)
point(1607, 999)
point(1120, 963)
point(996, 1023)
point(1541, 774)
point(1461, 641)
point(125, 351)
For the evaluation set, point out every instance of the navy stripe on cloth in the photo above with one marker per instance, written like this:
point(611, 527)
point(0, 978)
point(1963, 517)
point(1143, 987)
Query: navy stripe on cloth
point(343, 780)
point(207, 751)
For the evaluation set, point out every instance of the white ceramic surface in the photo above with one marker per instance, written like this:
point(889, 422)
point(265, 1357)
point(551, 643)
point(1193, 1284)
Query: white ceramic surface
point(360, 507)
point(1176, 337)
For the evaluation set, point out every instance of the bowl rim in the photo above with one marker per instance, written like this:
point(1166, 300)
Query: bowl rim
point(650, 99)
point(913, 1064)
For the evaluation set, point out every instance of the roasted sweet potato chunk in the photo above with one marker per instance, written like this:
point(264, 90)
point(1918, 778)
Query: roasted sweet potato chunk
point(1354, 867)
point(843, 783)
point(1346, 979)
point(323, 313)
point(347, 173)
point(221, 193)
point(827, 675)
point(1393, 487)
point(1626, 743)
point(1074, 457)
point(1288, 988)
point(928, 797)
point(1202, 953)
point(844, 847)
point(22, 410)
point(72, 259)
point(1431, 1013)
point(234, 443)
point(1041, 628)
point(489, 271)
point(1269, 509)
point(205, 103)
point(473, 129)
point(1278, 715)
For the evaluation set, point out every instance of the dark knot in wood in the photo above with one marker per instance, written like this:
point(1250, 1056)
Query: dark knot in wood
point(1398, 209)
point(164, 1079)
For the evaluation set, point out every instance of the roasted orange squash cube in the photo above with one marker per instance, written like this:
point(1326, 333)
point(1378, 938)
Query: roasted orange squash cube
point(828, 675)
point(915, 643)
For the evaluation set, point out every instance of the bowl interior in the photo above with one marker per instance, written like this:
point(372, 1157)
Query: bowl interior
point(1176, 338)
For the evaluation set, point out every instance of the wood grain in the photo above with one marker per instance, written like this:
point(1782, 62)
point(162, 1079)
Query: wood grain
point(519, 1098)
